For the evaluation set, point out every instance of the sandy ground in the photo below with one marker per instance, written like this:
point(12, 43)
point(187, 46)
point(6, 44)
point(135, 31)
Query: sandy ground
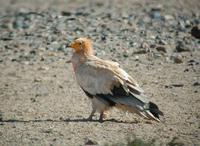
point(40, 101)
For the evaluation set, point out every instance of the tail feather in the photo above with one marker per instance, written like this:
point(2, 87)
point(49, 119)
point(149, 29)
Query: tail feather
point(153, 108)
point(132, 104)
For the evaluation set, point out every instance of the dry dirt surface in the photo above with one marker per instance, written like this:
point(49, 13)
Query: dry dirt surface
point(40, 101)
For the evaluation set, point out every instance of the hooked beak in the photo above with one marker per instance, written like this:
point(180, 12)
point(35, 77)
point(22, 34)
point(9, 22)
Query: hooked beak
point(71, 45)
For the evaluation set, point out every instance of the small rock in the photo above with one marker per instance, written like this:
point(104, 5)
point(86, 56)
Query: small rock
point(177, 85)
point(161, 48)
point(162, 42)
point(66, 13)
point(196, 84)
point(187, 23)
point(195, 31)
point(144, 45)
point(181, 47)
point(176, 142)
point(33, 99)
point(192, 62)
point(43, 68)
point(168, 17)
point(37, 80)
point(177, 58)
point(167, 86)
point(181, 25)
point(1, 116)
point(26, 62)
point(156, 12)
point(14, 60)
point(126, 54)
point(136, 58)
point(32, 52)
point(90, 142)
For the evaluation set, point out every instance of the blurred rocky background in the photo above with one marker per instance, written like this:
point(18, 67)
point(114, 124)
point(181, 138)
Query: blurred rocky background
point(157, 42)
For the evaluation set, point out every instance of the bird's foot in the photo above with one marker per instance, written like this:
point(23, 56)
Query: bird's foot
point(103, 115)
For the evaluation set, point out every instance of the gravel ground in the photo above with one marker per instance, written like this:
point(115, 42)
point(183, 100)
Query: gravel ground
point(40, 101)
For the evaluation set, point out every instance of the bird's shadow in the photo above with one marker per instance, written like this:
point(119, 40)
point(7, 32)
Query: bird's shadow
point(81, 120)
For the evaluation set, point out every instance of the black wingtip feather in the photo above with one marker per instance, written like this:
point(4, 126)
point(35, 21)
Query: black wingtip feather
point(153, 108)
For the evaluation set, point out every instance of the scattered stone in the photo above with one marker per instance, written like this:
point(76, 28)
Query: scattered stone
point(195, 31)
point(168, 17)
point(14, 60)
point(181, 47)
point(33, 52)
point(167, 86)
point(47, 131)
point(43, 68)
point(90, 142)
point(144, 45)
point(162, 42)
point(37, 80)
point(126, 53)
point(196, 84)
point(136, 58)
point(177, 85)
point(186, 70)
point(181, 25)
point(176, 142)
point(156, 12)
point(193, 62)
point(33, 99)
point(174, 85)
point(66, 13)
point(1, 116)
point(177, 58)
point(161, 48)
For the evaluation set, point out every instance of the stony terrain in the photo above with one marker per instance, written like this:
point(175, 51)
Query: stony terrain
point(40, 101)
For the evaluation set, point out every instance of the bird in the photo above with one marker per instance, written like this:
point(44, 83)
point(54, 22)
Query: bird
point(107, 84)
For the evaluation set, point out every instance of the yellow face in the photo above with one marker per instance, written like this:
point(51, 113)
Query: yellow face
point(76, 45)
point(82, 45)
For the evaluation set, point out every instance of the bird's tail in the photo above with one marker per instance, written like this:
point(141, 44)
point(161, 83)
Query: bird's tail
point(152, 111)
point(136, 104)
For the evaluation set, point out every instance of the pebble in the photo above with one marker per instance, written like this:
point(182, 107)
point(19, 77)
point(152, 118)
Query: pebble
point(66, 13)
point(161, 48)
point(181, 47)
point(1, 116)
point(195, 31)
point(144, 45)
point(156, 13)
point(43, 68)
point(168, 17)
point(196, 84)
point(177, 58)
point(137, 58)
point(91, 142)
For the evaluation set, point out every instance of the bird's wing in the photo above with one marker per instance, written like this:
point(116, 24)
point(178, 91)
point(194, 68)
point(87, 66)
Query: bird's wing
point(97, 76)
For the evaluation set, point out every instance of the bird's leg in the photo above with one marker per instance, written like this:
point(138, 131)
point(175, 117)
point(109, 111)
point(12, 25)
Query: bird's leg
point(92, 114)
point(102, 116)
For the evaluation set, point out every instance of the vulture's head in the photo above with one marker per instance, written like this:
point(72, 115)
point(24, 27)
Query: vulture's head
point(82, 46)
